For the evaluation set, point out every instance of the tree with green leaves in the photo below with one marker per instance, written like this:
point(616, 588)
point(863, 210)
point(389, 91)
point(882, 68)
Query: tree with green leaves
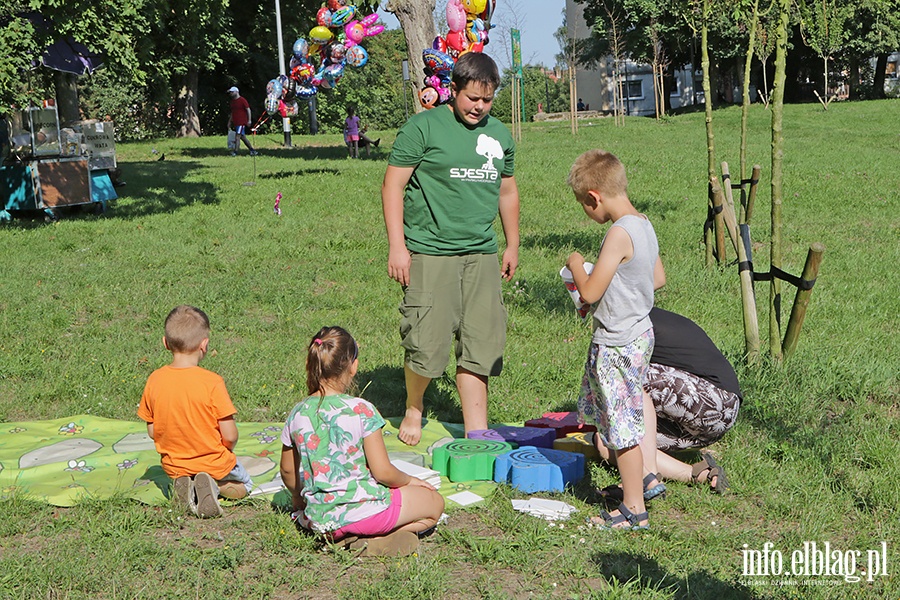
point(538, 87)
point(110, 28)
point(873, 31)
point(822, 25)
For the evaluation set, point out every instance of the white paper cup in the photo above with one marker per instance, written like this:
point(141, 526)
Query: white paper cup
point(581, 307)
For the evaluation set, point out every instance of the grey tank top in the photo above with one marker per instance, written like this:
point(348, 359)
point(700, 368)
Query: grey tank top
point(623, 313)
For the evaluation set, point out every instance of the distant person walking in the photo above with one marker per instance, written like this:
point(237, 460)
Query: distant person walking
point(239, 119)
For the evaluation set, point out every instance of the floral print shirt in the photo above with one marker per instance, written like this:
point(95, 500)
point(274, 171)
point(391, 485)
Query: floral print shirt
point(337, 485)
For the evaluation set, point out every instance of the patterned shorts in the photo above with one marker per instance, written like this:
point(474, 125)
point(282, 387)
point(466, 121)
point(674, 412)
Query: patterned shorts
point(691, 412)
point(611, 391)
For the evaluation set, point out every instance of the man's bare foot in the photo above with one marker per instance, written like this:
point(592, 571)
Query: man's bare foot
point(411, 427)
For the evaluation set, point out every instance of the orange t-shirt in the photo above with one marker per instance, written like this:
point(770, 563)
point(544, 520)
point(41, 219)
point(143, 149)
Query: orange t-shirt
point(185, 406)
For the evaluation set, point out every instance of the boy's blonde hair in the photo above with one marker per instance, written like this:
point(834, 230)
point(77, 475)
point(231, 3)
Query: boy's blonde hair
point(599, 171)
point(186, 327)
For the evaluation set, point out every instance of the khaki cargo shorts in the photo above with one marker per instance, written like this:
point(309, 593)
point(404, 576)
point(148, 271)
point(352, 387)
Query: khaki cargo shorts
point(453, 297)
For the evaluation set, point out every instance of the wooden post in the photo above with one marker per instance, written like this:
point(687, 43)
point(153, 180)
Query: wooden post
point(747, 209)
point(729, 196)
point(801, 300)
point(727, 220)
point(718, 219)
point(748, 298)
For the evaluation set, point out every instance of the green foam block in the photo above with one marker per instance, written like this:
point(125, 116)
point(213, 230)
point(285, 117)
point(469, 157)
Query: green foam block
point(468, 460)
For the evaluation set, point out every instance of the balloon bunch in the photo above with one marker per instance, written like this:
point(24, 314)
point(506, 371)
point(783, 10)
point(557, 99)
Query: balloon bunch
point(469, 22)
point(335, 40)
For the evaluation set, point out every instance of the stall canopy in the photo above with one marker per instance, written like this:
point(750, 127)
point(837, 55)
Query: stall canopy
point(65, 54)
point(69, 56)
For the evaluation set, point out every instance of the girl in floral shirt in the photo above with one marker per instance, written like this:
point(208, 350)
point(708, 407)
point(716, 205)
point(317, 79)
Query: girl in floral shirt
point(333, 458)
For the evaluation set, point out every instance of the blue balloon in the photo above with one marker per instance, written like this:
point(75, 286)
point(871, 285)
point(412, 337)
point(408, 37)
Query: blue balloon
point(274, 88)
point(306, 91)
point(356, 56)
point(301, 48)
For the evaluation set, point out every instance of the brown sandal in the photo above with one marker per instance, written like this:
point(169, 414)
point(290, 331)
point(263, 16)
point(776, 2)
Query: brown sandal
point(396, 543)
point(715, 471)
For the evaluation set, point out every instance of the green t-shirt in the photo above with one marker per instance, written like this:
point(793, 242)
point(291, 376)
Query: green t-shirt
point(453, 196)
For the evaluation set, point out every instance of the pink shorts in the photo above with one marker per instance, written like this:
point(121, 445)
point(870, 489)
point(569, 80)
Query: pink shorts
point(351, 138)
point(380, 524)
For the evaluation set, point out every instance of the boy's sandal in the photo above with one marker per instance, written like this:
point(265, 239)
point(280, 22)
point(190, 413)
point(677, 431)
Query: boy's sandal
point(631, 521)
point(616, 494)
point(715, 470)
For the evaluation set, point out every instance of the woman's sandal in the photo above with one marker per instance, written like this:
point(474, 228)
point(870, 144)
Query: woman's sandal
point(615, 493)
point(715, 471)
point(631, 520)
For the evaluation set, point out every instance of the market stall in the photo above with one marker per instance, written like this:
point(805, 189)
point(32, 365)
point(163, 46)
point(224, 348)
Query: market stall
point(48, 168)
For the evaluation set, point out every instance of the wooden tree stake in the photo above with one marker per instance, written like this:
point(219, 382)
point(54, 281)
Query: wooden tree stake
point(748, 299)
point(801, 300)
point(747, 208)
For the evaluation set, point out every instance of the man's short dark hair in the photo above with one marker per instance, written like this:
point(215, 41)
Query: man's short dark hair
point(477, 67)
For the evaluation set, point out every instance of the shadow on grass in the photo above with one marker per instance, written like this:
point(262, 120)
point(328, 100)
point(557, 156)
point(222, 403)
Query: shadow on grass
point(317, 152)
point(300, 173)
point(385, 388)
point(159, 187)
point(646, 574)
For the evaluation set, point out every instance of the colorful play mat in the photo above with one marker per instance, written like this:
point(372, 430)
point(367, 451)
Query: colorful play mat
point(66, 460)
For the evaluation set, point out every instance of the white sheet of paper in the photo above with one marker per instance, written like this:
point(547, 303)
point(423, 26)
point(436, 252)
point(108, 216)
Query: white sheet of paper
point(465, 498)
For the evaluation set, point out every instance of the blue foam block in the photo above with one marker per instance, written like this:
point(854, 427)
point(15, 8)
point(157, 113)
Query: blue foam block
point(532, 469)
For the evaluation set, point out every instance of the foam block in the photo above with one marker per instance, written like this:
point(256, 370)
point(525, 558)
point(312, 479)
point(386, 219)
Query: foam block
point(531, 469)
point(468, 460)
point(540, 437)
point(578, 442)
point(563, 422)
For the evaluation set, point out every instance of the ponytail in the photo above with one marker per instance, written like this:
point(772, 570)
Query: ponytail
point(329, 356)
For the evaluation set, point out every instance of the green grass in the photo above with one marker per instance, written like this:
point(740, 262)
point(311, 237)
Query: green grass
point(813, 456)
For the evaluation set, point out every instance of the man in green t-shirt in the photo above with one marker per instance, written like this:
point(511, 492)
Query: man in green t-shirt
point(449, 174)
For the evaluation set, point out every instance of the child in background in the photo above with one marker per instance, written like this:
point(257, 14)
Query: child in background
point(190, 418)
point(334, 462)
point(351, 132)
point(622, 283)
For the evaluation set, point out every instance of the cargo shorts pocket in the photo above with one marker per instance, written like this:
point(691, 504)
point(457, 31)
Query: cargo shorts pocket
point(414, 310)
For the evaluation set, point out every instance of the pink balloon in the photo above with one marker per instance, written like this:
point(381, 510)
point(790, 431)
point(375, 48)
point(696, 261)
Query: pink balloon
point(456, 15)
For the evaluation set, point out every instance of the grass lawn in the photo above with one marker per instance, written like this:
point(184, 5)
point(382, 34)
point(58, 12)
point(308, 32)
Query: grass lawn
point(813, 456)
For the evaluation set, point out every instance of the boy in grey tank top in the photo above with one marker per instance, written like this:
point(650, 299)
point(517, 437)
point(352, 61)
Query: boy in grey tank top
point(626, 273)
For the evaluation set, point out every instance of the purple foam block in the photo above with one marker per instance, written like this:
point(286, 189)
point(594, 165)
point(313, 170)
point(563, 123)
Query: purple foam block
point(519, 436)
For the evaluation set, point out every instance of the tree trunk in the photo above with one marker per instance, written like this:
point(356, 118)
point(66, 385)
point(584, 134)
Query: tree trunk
point(745, 98)
point(710, 139)
point(417, 21)
point(880, 72)
point(186, 105)
point(67, 97)
point(784, 8)
point(853, 92)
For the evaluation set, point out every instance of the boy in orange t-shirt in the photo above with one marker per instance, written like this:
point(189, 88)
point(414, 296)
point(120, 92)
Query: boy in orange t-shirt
point(190, 418)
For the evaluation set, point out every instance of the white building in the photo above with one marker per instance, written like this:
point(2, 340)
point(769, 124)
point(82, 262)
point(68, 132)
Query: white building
point(595, 86)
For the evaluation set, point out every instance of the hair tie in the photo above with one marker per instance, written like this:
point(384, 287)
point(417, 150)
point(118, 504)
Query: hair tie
point(317, 342)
